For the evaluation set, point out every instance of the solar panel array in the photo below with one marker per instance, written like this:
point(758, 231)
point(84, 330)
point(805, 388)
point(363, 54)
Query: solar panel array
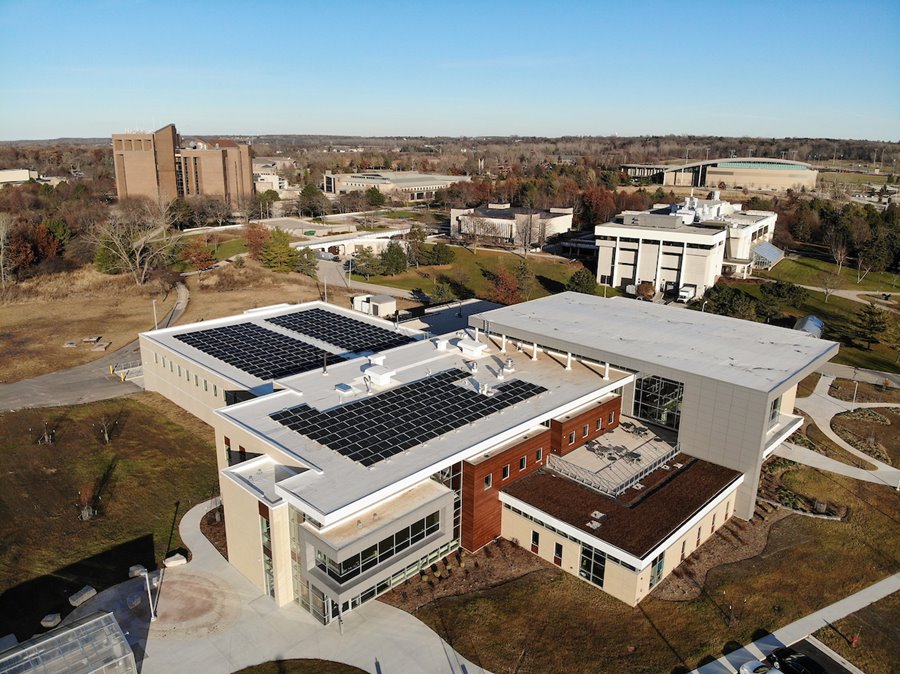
point(378, 427)
point(343, 331)
point(262, 353)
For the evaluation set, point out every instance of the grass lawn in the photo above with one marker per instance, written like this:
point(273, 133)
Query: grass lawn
point(159, 463)
point(812, 437)
point(878, 629)
point(806, 387)
point(852, 178)
point(845, 389)
point(838, 314)
point(39, 315)
point(229, 248)
point(806, 271)
point(806, 565)
point(302, 667)
point(472, 271)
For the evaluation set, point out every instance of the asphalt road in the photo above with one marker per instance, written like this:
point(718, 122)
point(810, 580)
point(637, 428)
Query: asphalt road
point(830, 665)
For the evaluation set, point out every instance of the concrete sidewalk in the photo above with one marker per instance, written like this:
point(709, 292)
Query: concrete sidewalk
point(799, 629)
point(213, 620)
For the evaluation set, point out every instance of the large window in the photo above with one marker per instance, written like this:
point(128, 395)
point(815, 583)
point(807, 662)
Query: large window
point(658, 400)
point(656, 569)
point(774, 411)
point(593, 565)
point(380, 552)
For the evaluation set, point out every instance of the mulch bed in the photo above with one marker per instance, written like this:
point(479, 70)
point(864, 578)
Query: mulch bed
point(736, 541)
point(843, 389)
point(462, 573)
point(873, 431)
point(215, 531)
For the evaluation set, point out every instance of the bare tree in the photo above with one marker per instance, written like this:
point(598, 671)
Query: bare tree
point(478, 229)
point(218, 211)
point(139, 238)
point(528, 231)
point(5, 228)
point(838, 247)
point(830, 282)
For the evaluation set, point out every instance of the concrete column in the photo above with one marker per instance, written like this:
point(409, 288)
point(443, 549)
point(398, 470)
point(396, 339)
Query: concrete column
point(534, 351)
point(502, 343)
point(615, 265)
point(637, 262)
point(476, 334)
point(659, 254)
point(569, 361)
point(606, 370)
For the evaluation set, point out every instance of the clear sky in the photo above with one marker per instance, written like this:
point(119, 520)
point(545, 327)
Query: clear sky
point(486, 67)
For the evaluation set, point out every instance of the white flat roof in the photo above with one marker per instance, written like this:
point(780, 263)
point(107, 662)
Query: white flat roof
point(641, 335)
point(337, 486)
point(167, 337)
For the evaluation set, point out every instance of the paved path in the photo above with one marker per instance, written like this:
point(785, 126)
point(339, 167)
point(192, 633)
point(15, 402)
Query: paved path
point(860, 296)
point(821, 407)
point(808, 457)
point(799, 629)
point(333, 272)
point(84, 383)
point(859, 374)
point(212, 619)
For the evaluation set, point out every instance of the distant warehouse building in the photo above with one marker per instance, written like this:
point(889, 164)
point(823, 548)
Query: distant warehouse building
point(755, 173)
point(689, 244)
point(412, 185)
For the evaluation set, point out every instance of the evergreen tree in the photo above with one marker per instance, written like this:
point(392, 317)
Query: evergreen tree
point(870, 323)
point(307, 263)
point(441, 253)
point(525, 278)
point(277, 253)
point(393, 259)
point(582, 281)
point(366, 263)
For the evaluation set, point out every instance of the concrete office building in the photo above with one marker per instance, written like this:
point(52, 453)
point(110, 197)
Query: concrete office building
point(502, 223)
point(601, 433)
point(752, 173)
point(694, 243)
point(410, 185)
point(156, 166)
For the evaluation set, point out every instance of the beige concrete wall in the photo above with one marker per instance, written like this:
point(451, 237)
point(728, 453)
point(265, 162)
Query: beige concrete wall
point(516, 528)
point(760, 179)
point(280, 531)
point(788, 398)
point(242, 529)
point(195, 389)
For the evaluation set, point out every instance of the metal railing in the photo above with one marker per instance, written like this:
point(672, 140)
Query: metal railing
point(602, 484)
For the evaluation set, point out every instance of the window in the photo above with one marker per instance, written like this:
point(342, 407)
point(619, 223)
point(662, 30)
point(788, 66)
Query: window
point(572, 438)
point(774, 411)
point(506, 471)
point(593, 565)
point(535, 541)
point(539, 454)
point(215, 391)
point(196, 380)
point(612, 418)
point(656, 569)
point(266, 531)
point(522, 463)
point(683, 546)
point(488, 480)
point(205, 385)
point(585, 430)
point(156, 358)
point(557, 554)
point(727, 509)
point(658, 400)
point(699, 531)
point(599, 424)
point(712, 527)
point(179, 370)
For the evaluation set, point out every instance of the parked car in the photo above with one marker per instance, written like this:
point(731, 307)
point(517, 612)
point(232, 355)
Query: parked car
point(791, 662)
point(754, 667)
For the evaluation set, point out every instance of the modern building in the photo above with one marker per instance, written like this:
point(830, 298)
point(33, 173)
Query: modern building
point(157, 166)
point(502, 223)
point(752, 173)
point(17, 176)
point(353, 453)
point(689, 244)
point(412, 186)
point(94, 644)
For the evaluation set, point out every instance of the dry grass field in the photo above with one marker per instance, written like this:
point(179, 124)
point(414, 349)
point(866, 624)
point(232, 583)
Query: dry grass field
point(878, 629)
point(39, 315)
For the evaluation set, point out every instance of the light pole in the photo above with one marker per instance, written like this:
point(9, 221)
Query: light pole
point(146, 576)
point(155, 322)
point(703, 307)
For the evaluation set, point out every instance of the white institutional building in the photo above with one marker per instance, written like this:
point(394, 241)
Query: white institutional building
point(688, 244)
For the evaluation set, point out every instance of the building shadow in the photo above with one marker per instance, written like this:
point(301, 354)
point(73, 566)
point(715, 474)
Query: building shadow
point(552, 286)
point(22, 607)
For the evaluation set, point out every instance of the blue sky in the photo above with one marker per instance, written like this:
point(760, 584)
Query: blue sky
point(550, 68)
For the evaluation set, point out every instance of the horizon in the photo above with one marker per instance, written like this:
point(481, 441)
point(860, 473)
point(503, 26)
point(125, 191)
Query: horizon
point(468, 71)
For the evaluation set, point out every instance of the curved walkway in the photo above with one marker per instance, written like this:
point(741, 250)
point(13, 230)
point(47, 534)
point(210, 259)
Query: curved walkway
point(212, 619)
point(84, 383)
point(821, 407)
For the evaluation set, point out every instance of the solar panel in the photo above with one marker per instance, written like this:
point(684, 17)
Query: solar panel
point(375, 428)
point(257, 351)
point(343, 331)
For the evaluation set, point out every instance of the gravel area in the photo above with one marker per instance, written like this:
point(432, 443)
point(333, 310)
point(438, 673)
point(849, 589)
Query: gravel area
point(215, 531)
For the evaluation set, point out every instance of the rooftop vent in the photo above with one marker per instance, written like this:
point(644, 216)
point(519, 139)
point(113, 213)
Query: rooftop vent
point(471, 348)
point(441, 344)
point(376, 359)
point(473, 366)
point(508, 366)
point(597, 515)
point(593, 524)
point(380, 376)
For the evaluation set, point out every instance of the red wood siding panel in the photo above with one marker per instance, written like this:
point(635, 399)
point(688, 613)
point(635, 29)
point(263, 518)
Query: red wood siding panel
point(481, 508)
point(560, 429)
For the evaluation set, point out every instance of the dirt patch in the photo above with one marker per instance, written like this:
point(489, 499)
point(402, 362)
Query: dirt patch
point(811, 437)
point(736, 541)
point(874, 432)
point(843, 389)
point(461, 573)
point(213, 527)
point(193, 606)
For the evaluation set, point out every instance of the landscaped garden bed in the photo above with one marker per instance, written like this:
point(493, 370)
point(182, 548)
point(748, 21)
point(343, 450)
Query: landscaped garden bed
point(811, 437)
point(844, 389)
point(873, 431)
